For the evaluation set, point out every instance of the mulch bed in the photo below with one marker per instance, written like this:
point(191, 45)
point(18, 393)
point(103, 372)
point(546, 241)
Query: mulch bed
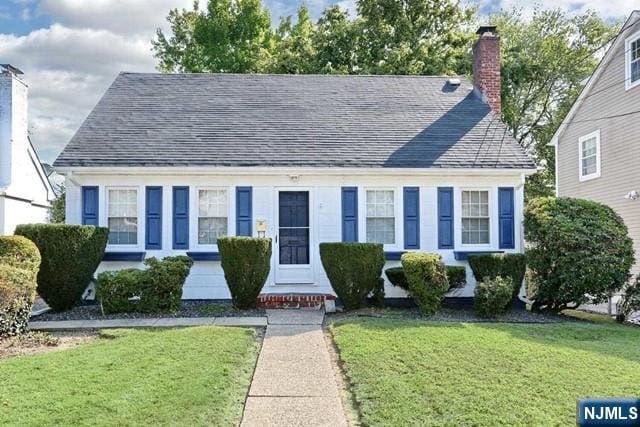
point(195, 308)
point(38, 342)
point(451, 314)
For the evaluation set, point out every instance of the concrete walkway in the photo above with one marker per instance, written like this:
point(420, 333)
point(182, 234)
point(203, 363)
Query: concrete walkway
point(294, 383)
point(160, 322)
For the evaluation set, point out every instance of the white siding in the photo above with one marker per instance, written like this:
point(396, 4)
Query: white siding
point(207, 279)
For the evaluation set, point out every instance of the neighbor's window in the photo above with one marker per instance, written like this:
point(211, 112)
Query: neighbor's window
point(632, 49)
point(589, 146)
point(212, 215)
point(381, 221)
point(475, 217)
point(123, 216)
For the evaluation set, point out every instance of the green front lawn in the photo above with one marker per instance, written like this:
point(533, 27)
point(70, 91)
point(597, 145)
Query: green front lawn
point(194, 376)
point(484, 374)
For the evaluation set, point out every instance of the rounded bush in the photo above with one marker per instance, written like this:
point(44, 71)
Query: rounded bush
point(579, 251)
point(17, 291)
point(161, 284)
point(116, 288)
point(494, 265)
point(354, 270)
point(493, 296)
point(456, 274)
point(630, 302)
point(246, 262)
point(20, 252)
point(70, 255)
point(427, 279)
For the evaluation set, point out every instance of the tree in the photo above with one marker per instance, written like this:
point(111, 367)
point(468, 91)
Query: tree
point(231, 36)
point(57, 212)
point(428, 37)
point(295, 51)
point(336, 42)
point(545, 60)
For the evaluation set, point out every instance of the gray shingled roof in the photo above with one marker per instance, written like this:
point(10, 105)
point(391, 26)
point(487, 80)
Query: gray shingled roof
point(294, 121)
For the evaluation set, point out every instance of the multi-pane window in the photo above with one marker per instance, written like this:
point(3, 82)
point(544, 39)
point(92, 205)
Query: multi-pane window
point(589, 156)
point(633, 61)
point(475, 217)
point(212, 215)
point(381, 221)
point(123, 216)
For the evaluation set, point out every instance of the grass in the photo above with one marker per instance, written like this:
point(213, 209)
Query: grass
point(213, 309)
point(194, 376)
point(484, 374)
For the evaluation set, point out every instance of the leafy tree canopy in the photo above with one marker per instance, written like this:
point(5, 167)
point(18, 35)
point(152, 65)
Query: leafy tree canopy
point(545, 57)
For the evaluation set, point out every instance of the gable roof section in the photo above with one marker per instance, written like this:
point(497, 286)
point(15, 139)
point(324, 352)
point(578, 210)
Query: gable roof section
point(633, 19)
point(233, 120)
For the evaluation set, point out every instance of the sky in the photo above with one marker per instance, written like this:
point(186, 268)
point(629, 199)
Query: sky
point(71, 50)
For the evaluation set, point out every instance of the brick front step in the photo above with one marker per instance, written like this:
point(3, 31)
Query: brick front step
point(293, 300)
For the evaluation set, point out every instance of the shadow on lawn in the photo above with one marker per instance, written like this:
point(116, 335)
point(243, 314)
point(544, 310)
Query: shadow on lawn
point(617, 341)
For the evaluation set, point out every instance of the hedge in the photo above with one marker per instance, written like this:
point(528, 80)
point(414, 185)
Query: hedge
point(630, 302)
point(578, 251)
point(456, 274)
point(494, 265)
point(115, 289)
point(17, 291)
point(158, 288)
point(70, 255)
point(162, 283)
point(19, 264)
point(492, 296)
point(246, 262)
point(353, 269)
point(427, 279)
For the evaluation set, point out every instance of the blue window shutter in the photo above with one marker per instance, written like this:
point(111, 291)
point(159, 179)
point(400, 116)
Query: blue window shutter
point(411, 205)
point(153, 223)
point(180, 217)
point(506, 217)
point(445, 218)
point(349, 214)
point(90, 207)
point(244, 211)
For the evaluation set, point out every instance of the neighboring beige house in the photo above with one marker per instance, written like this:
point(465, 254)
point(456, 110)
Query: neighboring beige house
point(598, 144)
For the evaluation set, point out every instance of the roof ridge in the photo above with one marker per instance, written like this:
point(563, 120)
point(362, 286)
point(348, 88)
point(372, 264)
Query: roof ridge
point(410, 76)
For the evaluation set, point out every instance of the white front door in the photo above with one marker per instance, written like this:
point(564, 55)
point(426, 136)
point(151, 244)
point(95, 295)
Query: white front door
point(293, 248)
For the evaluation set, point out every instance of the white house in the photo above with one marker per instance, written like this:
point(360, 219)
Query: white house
point(169, 162)
point(25, 191)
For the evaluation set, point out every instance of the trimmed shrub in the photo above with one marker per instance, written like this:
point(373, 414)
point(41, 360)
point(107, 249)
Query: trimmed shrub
point(457, 275)
point(17, 291)
point(162, 282)
point(579, 251)
point(159, 287)
point(397, 278)
point(115, 288)
point(246, 262)
point(70, 255)
point(427, 279)
point(20, 252)
point(494, 265)
point(493, 296)
point(19, 264)
point(353, 269)
point(377, 295)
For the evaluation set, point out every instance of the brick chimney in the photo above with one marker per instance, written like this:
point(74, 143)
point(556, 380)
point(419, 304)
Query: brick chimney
point(486, 66)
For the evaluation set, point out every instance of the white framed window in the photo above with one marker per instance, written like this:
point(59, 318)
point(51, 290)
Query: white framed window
point(380, 223)
point(122, 216)
point(476, 219)
point(632, 61)
point(589, 156)
point(213, 215)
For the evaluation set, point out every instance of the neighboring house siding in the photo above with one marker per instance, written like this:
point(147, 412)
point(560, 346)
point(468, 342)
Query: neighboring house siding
point(207, 279)
point(619, 143)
